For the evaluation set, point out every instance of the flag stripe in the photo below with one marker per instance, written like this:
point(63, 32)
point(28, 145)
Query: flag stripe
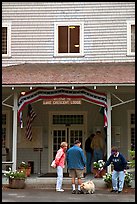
point(30, 117)
point(105, 118)
point(79, 92)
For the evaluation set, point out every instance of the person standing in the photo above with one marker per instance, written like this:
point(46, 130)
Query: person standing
point(89, 153)
point(98, 146)
point(76, 162)
point(118, 174)
point(60, 164)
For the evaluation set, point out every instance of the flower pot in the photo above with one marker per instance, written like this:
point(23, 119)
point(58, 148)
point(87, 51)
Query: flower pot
point(109, 184)
point(94, 171)
point(97, 173)
point(102, 173)
point(16, 183)
point(27, 171)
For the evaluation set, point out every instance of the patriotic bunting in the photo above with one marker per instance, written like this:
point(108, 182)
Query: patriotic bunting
point(79, 92)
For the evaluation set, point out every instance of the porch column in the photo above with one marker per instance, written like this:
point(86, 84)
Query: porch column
point(14, 145)
point(109, 129)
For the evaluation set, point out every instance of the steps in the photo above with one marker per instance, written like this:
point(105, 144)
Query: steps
point(50, 183)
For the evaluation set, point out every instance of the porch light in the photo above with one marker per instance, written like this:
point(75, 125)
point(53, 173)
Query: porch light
point(30, 87)
point(71, 27)
point(23, 93)
point(115, 87)
point(12, 88)
point(95, 87)
point(76, 45)
point(54, 87)
point(72, 87)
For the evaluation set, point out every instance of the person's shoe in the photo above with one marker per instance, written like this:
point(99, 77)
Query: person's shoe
point(74, 192)
point(80, 192)
point(113, 191)
point(119, 191)
point(59, 190)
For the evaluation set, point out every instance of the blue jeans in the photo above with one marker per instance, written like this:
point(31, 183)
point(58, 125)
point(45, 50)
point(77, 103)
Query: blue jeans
point(88, 163)
point(98, 154)
point(59, 177)
point(115, 176)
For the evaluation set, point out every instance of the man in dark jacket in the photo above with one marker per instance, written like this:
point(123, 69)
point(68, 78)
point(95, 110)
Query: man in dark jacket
point(89, 153)
point(76, 162)
point(120, 165)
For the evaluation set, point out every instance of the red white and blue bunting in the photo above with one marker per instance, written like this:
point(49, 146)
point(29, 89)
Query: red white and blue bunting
point(48, 93)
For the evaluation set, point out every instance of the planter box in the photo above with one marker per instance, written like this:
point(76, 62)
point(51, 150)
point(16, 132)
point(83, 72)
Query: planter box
point(17, 183)
point(98, 174)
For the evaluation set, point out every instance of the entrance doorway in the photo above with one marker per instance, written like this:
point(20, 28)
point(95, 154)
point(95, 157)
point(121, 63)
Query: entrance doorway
point(68, 134)
point(66, 127)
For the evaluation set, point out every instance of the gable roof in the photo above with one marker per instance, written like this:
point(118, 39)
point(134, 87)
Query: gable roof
point(69, 73)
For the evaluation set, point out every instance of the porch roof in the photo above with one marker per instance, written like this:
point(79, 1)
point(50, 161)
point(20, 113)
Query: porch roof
point(72, 73)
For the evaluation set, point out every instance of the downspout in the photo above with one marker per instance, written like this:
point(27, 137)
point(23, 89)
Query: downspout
point(14, 145)
point(109, 129)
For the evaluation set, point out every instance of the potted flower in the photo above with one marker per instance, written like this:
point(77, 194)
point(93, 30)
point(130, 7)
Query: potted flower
point(97, 166)
point(25, 167)
point(16, 178)
point(108, 179)
point(128, 179)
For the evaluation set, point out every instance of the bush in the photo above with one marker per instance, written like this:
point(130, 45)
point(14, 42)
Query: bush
point(98, 165)
point(132, 157)
point(15, 174)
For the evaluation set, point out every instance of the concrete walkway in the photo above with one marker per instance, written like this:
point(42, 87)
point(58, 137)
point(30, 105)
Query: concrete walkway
point(34, 181)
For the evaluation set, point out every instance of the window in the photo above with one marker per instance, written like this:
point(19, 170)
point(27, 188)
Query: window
point(6, 40)
point(131, 37)
point(68, 39)
point(4, 130)
point(132, 130)
point(68, 119)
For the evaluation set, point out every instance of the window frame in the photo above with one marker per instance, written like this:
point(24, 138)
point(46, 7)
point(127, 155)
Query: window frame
point(129, 24)
point(56, 25)
point(7, 126)
point(129, 112)
point(8, 26)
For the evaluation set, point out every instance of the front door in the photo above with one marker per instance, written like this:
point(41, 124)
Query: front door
point(66, 126)
point(68, 134)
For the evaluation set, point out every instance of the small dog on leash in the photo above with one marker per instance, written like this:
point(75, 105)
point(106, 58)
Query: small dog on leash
point(88, 186)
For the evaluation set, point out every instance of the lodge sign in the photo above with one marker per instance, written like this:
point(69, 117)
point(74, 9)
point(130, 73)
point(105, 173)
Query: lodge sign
point(61, 101)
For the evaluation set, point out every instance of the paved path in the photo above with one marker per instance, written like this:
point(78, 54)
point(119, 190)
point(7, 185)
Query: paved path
point(44, 195)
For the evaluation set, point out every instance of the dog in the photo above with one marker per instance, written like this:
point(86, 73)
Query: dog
point(88, 186)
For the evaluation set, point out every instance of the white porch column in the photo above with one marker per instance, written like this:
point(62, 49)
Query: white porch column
point(109, 129)
point(14, 145)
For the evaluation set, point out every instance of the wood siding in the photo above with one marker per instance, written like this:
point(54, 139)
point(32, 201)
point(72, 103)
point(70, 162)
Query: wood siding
point(32, 30)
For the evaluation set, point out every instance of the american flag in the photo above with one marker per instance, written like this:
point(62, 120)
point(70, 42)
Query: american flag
point(30, 117)
point(103, 111)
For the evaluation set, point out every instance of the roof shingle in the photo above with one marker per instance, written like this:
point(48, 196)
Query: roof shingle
point(74, 73)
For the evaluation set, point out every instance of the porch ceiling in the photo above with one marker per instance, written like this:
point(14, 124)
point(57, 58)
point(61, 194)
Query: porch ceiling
point(73, 73)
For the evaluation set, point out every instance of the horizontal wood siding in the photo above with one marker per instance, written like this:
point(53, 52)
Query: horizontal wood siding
point(32, 30)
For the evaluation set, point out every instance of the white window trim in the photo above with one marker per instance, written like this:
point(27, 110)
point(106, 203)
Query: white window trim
point(8, 25)
point(129, 23)
point(7, 126)
point(129, 112)
point(56, 54)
